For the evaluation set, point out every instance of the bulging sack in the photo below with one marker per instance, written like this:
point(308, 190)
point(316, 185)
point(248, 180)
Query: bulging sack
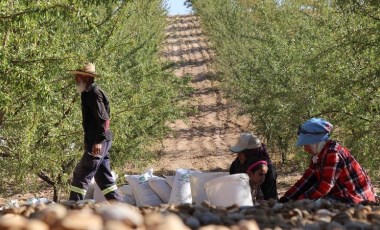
point(161, 188)
point(126, 193)
point(228, 190)
point(181, 191)
point(141, 190)
point(170, 180)
point(197, 184)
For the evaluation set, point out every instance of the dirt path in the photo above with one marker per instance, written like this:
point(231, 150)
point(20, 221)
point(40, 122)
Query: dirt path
point(202, 141)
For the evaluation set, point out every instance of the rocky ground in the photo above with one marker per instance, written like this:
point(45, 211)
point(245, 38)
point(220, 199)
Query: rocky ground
point(303, 214)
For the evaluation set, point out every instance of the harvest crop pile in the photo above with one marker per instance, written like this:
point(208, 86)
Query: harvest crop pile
point(304, 214)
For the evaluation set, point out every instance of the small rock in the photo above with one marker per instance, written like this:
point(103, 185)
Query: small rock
point(51, 214)
point(357, 225)
point(12, 221)
point(193, 222)
point(214, 227)
point(342, 217)
point(209, 218)
point(81, 220)
point(335, 226)
point(360, 214)
point(113, 225)
point(126, 213)
point(313, 226)
point(248, 225)
point(374, 217)
point(324, 212)
point(36, 225)
point(277, 207)
point(235, 216)
point(157, 221)
point(322, 218)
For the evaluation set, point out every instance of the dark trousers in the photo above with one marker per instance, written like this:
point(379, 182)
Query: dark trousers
point(94, 167)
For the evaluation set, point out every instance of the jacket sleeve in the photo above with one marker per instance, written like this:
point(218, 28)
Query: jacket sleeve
point(302, 185)
point(100, 113)
point(330, 171)
point(234, 168)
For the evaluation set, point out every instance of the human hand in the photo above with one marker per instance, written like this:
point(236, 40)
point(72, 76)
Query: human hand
point(96, 149)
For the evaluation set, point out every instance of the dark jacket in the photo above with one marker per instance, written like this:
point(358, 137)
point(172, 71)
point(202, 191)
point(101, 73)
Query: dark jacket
point(269, 187)
point(95, 116)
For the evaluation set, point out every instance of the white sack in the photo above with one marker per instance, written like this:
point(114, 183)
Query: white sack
point(198, 181)
point(181, 191)
point(170, 180)
point(161, 188)
point(141, 190)
point(126, 193)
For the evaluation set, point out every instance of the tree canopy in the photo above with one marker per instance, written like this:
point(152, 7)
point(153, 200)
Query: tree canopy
point(40, 121)
point(283, 62)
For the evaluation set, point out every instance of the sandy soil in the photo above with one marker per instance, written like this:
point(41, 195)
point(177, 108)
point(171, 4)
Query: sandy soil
point(202, 141)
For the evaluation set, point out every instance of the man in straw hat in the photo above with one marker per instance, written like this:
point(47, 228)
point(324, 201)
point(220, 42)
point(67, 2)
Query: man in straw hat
point(95, 161)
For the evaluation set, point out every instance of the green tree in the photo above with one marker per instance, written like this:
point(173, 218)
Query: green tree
point(40, 121)
point(283, 63)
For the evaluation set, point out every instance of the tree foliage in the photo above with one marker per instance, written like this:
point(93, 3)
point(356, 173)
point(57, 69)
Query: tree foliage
point(283, 62)
point(40, 120)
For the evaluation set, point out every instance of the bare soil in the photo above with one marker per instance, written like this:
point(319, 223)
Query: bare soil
point(202, 141)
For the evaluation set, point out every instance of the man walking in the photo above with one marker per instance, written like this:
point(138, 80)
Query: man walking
point(95, 161)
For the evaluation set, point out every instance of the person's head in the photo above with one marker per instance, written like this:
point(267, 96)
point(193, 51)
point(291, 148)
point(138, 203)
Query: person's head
point(313, 134)
point(245, 142)
point(84, 76)
point(257, 172)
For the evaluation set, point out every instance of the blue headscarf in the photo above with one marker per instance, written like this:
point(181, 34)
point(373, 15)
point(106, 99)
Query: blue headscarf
point(313, 131)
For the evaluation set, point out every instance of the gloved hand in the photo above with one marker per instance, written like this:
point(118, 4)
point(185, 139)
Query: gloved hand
point(283, 199)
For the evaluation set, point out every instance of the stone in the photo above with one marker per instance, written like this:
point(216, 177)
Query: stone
point(193, 222)
point(209, 218)
point(248, 225)
point(235, 216)
point(374, 217)
point(12, 221)
point(81, 220)
point(313, 226)
point(36, 225)
point(342, 217)
point(155, 221)
point(324, 212)
point(113, 225)
point(125, 213)
point(214, 227)
point(51, 214)
point(357, 225)
point(335, 226)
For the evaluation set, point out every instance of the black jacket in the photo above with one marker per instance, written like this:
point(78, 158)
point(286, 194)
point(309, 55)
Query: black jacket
point(95, 116)
point(269, 186)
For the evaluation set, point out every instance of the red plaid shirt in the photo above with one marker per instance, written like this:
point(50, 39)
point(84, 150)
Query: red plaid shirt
point(336, 175)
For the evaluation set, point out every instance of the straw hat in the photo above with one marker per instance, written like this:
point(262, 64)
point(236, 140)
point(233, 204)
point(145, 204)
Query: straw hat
point(87, 70)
